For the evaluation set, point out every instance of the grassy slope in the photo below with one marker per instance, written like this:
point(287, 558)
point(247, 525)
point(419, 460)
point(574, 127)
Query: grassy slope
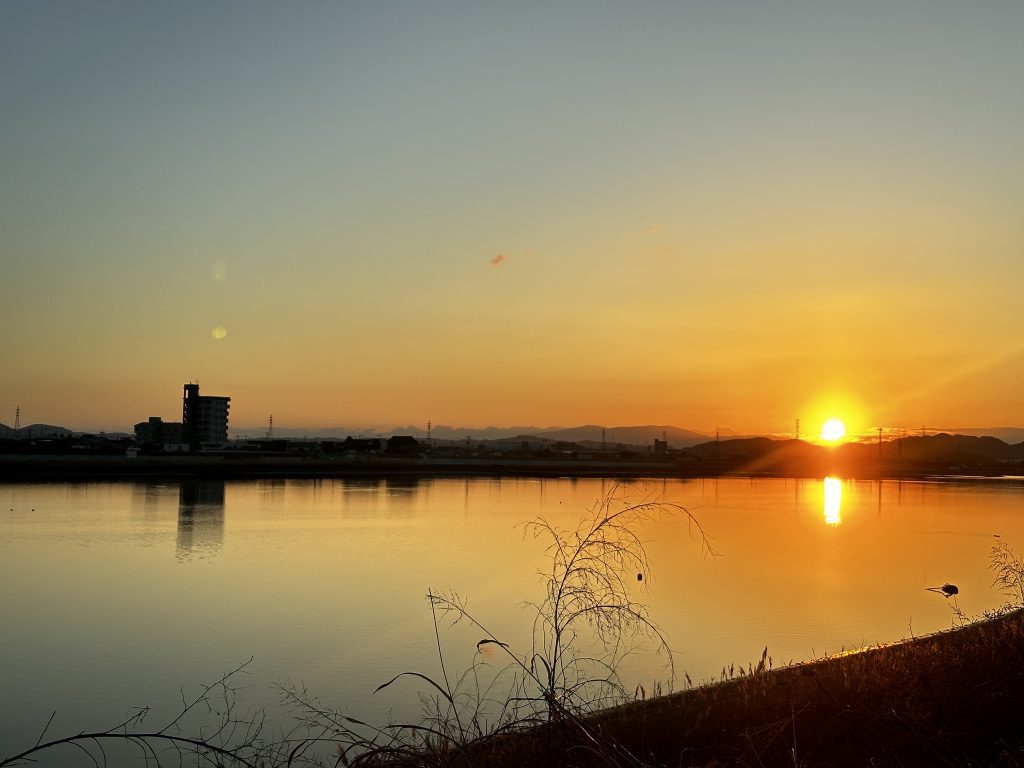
point(956, 698)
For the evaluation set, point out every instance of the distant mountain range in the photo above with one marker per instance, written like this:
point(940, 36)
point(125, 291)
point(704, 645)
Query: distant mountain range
point(34, 431)
point(590, 433)
point(49, 431)
point(1006, 434)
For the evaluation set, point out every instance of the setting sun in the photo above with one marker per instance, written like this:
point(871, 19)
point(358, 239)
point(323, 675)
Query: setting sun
point(832, 430)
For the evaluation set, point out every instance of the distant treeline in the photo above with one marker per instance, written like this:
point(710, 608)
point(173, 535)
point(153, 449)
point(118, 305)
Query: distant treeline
point(909, 456)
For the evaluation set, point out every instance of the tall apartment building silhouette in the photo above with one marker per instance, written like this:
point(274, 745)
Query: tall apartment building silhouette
point(204, 418)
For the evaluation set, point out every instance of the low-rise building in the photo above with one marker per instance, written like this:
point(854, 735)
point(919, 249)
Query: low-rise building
point(403, 445)
point(156, 432)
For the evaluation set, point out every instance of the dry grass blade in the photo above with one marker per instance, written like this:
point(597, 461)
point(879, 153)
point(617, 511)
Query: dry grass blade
point(1009, 572)
point(421, 676)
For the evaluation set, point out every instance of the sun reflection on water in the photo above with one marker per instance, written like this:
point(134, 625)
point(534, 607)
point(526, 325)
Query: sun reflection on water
point(833, 499)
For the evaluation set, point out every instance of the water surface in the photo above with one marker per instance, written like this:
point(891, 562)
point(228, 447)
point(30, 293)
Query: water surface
point(115, 595)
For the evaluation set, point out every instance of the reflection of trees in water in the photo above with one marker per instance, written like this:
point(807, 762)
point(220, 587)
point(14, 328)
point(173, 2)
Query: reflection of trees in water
point(200, 518)
point(392, 495)
point(272, 489)
point(362, 484)
point(401, 490)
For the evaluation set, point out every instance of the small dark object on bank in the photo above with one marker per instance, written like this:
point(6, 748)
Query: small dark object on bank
point(639, 577)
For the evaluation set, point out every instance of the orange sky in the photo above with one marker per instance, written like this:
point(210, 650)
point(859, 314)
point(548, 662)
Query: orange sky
point(375, 216)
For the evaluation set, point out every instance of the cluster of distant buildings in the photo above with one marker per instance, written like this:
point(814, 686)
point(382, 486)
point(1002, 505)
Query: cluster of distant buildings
point(204, 422)
point(204, 427)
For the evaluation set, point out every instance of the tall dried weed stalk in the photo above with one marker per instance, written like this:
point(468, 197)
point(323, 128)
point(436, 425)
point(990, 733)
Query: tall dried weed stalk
point(1009, 573)
point(590, 617)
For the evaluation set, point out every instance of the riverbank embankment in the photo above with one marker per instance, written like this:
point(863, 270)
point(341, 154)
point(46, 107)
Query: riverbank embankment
point(953, 698)
point(238, 466)
point(241, 466)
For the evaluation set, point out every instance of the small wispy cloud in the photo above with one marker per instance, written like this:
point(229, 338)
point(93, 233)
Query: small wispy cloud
point(498, 260)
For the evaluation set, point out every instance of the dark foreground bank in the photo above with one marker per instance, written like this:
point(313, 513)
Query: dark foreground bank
point(956, 698)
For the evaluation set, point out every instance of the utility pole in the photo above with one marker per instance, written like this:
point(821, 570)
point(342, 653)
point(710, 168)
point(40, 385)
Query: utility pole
point(429, 427)
point(879, 442)
point(270, 428)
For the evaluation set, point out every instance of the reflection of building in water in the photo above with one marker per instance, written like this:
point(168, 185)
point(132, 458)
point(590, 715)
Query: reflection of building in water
point(200, 518)
point(149, 497)
point(833, 498)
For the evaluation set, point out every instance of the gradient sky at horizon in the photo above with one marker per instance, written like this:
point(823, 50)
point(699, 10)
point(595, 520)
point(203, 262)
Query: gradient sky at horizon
point(701, 214)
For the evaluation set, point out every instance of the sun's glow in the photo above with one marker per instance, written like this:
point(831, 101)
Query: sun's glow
point(833, 499)
point(832, 430)
point(835, 417)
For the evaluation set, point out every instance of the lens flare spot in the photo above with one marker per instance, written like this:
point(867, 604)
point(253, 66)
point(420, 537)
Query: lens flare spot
point(219, 332)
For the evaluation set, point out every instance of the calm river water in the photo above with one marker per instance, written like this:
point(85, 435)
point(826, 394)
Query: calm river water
point(117, 595)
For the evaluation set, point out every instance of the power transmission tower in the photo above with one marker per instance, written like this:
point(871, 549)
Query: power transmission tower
point(17, 418)
point(270, 427)
point(797, 430)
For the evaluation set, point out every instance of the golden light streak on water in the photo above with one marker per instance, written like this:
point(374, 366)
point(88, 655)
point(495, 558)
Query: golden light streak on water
point(833, 499)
